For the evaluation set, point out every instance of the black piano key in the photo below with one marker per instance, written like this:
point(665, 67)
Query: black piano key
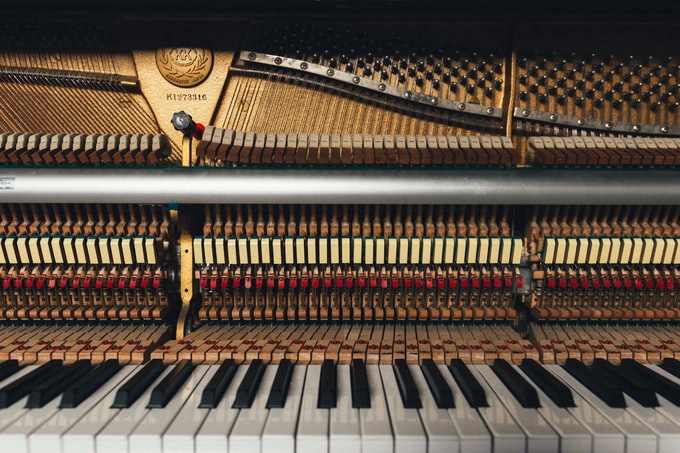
point(654, 381)
point(441, 391)
point(56, 383)
point(279, 390)
point(214, 391)
point(14, 391)
point(629, 383)
point(328, 386)
point(524, 392)
point(469, 386)
point(555, 389)
point(248, 387)
point(135, 386)
point(8, 368)
point(672, 366)
point(361, 393)
point(77, 392)
point(407, 386)
point(612, 396)
point(166, 389)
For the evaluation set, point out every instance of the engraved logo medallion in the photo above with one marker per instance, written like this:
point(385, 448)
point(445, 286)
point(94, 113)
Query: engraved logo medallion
point(184, 66)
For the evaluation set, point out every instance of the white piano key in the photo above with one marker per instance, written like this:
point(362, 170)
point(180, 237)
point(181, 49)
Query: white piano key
point(147, 435)
point(605, 436)
point(279, 431)
point(639, 438)
point(540, 436)
point(80, 437)
point(376, 432)
point(667, 431)
point(573, 436)
point(114, 437)
point(345, 432)
point(507, 436)
point(179, 437)
point(246, 433)
point(473, 434)
point(409, 435)
point(667, 408)
point(14, 437)
point(214, 433)
point(48, 436)
point(442, 434)
point(312, 432)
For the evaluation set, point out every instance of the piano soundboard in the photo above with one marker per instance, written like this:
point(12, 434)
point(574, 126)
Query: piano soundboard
point(323, 228)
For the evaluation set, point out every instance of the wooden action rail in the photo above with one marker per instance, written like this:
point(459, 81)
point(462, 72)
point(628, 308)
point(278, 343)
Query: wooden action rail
point(33, 219)
point(130, 344)
point(595, 221)
point(83, 149)
point(228, 147)
point(374, 343)
point(645, 343)
point(345, 220)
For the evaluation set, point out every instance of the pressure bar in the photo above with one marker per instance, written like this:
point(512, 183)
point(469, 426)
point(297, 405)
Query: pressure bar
point(522, 186)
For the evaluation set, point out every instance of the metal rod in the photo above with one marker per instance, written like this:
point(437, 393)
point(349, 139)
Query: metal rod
point(200, 185)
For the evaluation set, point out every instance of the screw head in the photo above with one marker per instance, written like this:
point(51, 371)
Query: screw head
point(181, 121)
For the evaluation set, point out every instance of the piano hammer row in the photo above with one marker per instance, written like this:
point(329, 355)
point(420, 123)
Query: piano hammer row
point(625, 250)
point(604, 151)
point(78, 250)
point(82, 149)
point(345, 250)
point(237, 147)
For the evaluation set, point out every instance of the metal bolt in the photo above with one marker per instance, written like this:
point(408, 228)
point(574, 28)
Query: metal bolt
point(278, 60)
point(664, 129)
point(356, 79)
point(553, 117)
point(490, 111)
point(525, 113)
point(330, 73)
point(304, 65)
point(580, 122)
point(382, 87)
point(607, 125)
point(407, 95)
point(252, 56)
point(433, 101)
point(636, 128)
point(461, 106)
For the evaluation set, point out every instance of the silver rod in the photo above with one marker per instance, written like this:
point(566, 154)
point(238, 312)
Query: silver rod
point(200, 185)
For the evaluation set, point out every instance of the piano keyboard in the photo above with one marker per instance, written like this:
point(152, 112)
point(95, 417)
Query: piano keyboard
point(327, 407)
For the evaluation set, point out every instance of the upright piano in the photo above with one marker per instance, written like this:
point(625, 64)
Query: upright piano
point(335, 226)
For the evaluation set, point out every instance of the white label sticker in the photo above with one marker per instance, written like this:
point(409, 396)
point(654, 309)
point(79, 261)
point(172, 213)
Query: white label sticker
point(7, 182)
